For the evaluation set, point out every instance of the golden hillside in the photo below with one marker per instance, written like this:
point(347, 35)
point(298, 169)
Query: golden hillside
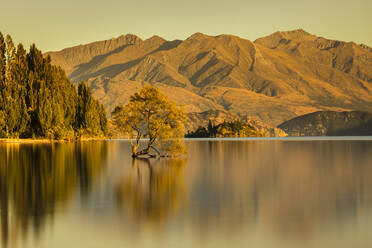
point(273, 79)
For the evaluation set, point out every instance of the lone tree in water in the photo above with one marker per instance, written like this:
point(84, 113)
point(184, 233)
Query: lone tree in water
point(149, 114)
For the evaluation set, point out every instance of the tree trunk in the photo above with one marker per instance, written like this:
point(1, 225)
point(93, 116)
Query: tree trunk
point(134, 151)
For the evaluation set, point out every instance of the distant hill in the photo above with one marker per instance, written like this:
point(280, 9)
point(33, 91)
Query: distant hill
point(329, 123)
point(201, 119)
point(273, 79)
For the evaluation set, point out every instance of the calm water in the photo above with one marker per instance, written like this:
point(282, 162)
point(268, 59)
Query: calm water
point(258, 193)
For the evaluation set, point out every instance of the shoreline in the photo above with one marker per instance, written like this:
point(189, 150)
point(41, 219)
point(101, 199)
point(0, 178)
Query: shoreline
point(300, 138)
point(46, 141)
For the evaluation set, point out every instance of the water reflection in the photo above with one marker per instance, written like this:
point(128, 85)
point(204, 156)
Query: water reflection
point(37, 179)
point(153, 190)
point(224, 194)
point(290, 190)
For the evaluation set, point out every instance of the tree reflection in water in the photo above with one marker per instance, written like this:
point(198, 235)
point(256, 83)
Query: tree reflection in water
point(276, 193)
point(35, 178)
point(153, 190)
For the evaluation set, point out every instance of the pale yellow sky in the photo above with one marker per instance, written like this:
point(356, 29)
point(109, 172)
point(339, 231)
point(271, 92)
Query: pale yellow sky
point(56, 24)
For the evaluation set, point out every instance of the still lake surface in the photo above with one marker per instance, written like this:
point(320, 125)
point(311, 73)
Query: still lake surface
point(313, 192)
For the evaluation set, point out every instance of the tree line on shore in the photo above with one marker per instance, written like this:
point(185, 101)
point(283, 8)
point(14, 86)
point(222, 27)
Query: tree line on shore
point(37, 100)
point(235, 128)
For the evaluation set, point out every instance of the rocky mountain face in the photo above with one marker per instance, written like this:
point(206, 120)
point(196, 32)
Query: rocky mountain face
point(273, 79)
point(329, 123)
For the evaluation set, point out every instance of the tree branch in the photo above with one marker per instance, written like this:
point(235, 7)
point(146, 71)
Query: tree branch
point(156, 150)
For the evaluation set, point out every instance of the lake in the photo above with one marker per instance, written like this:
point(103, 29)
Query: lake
point(310, 192)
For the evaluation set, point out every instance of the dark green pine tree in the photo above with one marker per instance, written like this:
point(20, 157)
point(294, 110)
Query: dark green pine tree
point(19, 75)
point(2, 68)
point(38, 100)
point(102, 118)
point(43, 111)
point(211, 129)
point(2, 85)
point(64, 103)
point(52, 98)
point(38, 94)
point(91, 116)
point(11, 107)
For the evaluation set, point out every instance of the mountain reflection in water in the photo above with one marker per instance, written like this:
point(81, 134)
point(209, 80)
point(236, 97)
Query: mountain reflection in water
point(263, 193)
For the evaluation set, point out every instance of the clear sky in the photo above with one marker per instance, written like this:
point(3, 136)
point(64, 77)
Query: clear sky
point(56, 24)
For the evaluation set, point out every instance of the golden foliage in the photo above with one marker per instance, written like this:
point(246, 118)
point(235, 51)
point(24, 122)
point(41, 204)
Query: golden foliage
point(149, 114)
point(237, 129)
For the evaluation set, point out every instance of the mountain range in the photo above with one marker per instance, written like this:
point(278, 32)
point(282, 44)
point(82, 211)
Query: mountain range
point(272, 80)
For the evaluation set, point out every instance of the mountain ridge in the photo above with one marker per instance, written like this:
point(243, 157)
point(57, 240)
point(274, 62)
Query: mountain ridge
point(273, 79)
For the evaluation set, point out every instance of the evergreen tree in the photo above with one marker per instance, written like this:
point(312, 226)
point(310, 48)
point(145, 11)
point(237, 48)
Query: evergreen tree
point(19, 75)
point(43, 111)
point(211, 129)
point(38, 94)
point(102, 118)
point(2, 69)
point(10, 54)
point(2, 85)
point(11, 108)
point(2, 123)
point(52, 98)
point(91, 116)
point(38, 100)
